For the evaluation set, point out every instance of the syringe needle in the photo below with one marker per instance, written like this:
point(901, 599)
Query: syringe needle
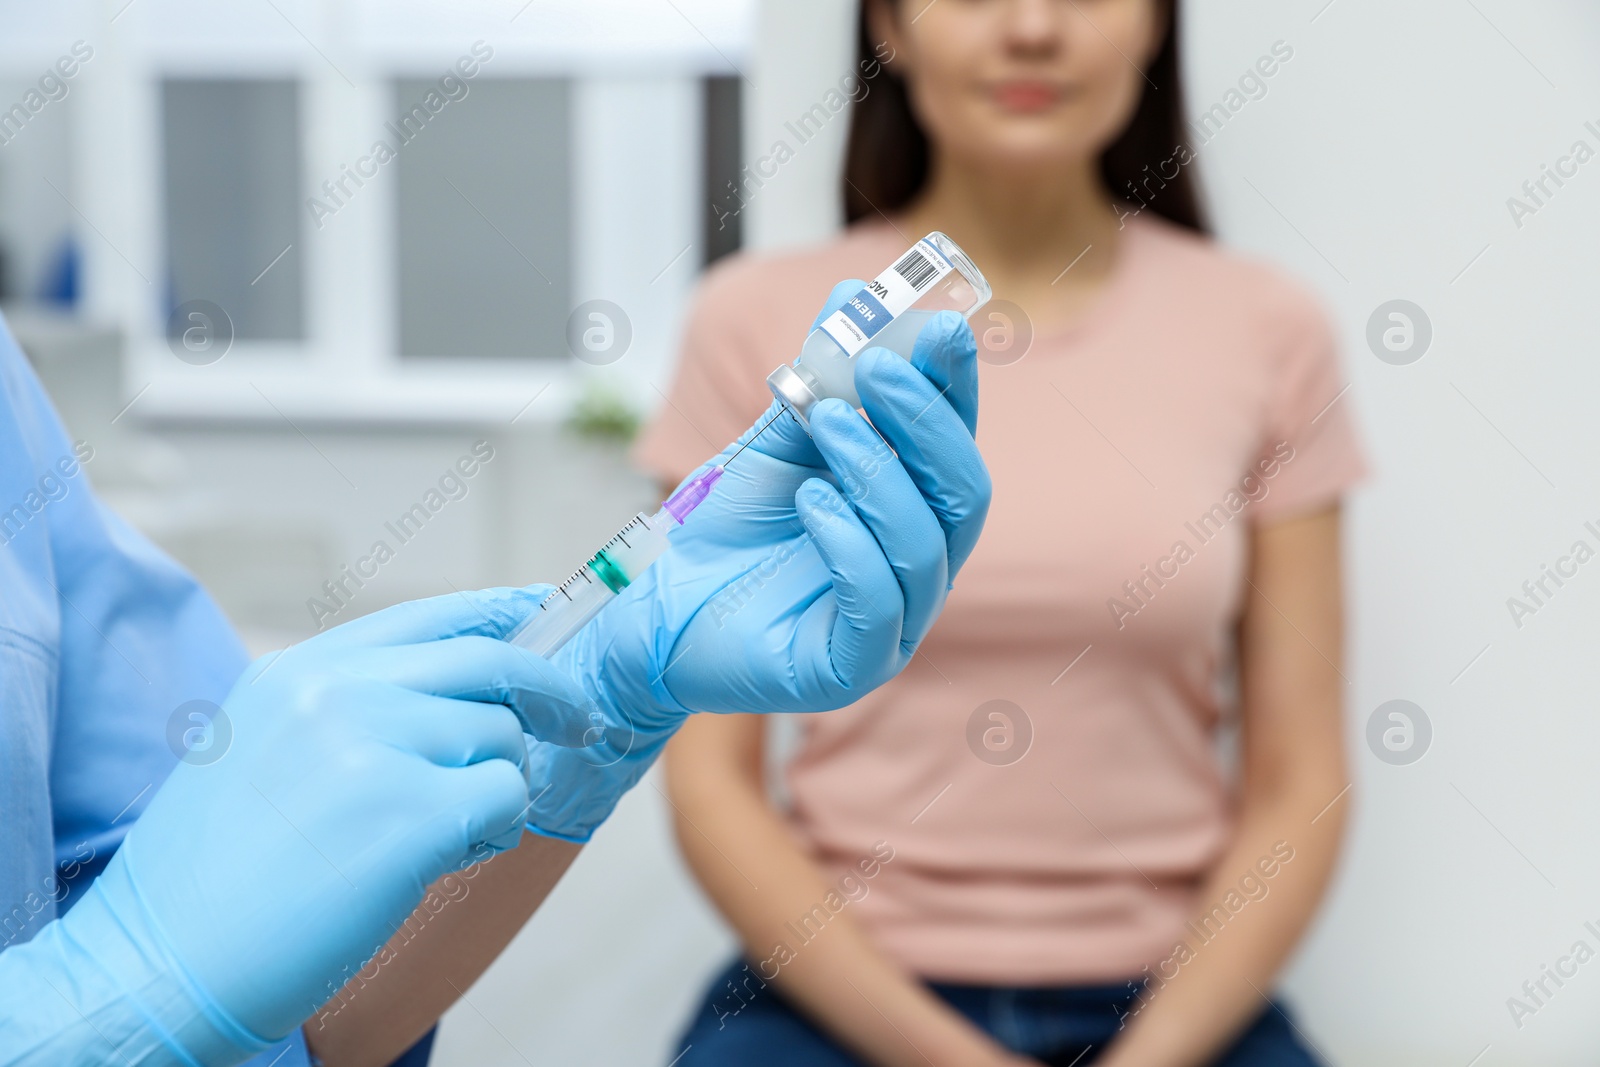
point(753, 436)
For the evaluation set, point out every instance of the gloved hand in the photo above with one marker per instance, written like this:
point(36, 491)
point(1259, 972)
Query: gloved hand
point(364, 764)
point(806, 579)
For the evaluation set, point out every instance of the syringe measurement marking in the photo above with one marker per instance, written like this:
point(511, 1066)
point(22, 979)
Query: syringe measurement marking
point(637, 521)
point(583, 572)
point(562, 588)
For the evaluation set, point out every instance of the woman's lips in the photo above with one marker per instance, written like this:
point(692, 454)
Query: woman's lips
point(1024, 96)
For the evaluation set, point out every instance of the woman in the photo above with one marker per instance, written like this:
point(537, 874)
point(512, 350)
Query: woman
point(1027, 848)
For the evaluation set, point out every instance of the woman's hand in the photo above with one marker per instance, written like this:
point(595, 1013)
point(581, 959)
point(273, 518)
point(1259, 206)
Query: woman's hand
point(841, 982)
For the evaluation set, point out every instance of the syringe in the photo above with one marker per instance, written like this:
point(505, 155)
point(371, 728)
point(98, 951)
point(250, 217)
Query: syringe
point(935, 274)
point(612, 569)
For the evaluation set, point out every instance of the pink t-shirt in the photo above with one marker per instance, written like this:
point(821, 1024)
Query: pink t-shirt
point(1131, 455)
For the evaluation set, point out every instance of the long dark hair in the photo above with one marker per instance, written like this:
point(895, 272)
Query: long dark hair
point(887, 158)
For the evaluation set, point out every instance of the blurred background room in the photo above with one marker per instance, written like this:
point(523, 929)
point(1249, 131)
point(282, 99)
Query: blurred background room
point(278, 341)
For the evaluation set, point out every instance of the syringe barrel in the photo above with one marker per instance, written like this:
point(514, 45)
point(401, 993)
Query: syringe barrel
point(562, 614)
point(934, 275)
point(597, 583)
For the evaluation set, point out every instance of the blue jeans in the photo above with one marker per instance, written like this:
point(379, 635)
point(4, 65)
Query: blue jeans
point(417, 1055)
point(1062, 1027)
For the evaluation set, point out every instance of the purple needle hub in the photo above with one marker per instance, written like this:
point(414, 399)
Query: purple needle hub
point(695, 490)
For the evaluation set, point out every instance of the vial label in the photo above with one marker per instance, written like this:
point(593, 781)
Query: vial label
point(886, 297)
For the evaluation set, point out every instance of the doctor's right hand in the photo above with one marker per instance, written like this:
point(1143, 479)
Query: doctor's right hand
point(805, 580)
point(365, 763)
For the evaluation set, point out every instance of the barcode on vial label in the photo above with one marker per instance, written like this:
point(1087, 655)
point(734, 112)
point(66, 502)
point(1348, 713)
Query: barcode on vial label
point(916, 268)
point(886, 298)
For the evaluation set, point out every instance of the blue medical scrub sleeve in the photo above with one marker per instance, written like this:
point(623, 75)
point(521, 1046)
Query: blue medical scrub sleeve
point(102, 638)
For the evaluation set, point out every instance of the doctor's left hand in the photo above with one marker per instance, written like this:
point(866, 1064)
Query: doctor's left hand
point(364, 764)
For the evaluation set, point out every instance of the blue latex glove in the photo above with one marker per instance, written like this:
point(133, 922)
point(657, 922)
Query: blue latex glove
point(364, 764)
point(806, 580)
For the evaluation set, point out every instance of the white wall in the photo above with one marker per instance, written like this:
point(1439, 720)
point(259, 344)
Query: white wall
point(1391, 142)
point(800, 51)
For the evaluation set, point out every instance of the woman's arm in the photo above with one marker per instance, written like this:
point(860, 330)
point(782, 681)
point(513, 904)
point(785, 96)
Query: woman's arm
point(1293, 769)
point(464, 922)
point(747, 862)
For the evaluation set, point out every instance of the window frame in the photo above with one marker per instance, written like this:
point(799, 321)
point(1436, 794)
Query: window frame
point(348, 369)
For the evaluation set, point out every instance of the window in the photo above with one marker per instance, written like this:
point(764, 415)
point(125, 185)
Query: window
point(234, 162)
point(231, 162)
point(723, 158)
point(484, 210)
